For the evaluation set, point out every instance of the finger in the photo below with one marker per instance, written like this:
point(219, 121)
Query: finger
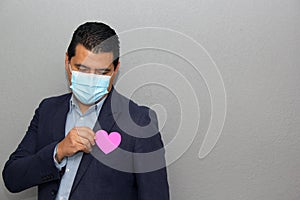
point(85, 128)
point(86, 133)
point(85, 142)
point(83, 148)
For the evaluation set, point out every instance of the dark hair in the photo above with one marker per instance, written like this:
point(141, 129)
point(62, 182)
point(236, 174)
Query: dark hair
point(96, 37)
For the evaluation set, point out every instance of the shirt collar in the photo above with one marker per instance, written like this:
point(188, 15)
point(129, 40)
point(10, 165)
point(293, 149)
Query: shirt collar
point(74, 104)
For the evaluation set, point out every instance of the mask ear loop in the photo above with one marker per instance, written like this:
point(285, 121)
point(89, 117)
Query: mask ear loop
point(70, 68)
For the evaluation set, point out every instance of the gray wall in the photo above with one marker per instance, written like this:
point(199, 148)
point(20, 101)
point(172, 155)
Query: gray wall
point(255, 45)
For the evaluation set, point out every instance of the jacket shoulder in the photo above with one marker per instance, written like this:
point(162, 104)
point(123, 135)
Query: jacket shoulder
point(126, 103)
point(140, 114)
point(49, 101)
point(58, 98)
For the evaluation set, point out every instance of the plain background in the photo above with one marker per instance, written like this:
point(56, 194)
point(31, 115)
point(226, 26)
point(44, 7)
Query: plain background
point(255, 45)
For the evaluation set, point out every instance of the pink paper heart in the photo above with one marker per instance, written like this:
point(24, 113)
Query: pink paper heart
point(107, 143)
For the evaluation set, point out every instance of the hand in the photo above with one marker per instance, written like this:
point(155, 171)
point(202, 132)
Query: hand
point(78, 139)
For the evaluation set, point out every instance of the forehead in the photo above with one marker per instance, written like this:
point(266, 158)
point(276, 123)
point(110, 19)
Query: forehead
point(90, 59)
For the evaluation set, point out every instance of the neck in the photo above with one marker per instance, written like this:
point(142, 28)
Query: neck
point(84, 107)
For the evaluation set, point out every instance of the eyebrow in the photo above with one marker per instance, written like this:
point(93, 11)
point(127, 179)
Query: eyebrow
point(81, 65)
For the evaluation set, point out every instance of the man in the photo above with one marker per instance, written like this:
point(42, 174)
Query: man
point(58, 152)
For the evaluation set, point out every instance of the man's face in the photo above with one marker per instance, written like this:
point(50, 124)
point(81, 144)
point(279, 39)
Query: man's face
point(86, 61)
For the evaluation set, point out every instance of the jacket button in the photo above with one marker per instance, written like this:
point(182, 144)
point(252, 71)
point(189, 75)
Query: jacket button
point(53, 192)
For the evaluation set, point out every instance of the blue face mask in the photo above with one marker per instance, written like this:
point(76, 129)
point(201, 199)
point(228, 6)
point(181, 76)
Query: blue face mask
point(89, 88)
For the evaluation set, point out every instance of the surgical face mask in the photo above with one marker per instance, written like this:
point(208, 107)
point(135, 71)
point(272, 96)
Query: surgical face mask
point(89, 88)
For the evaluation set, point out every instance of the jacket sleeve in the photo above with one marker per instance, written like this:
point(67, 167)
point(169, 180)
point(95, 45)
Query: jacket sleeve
point(152, 183)
point(29, 166)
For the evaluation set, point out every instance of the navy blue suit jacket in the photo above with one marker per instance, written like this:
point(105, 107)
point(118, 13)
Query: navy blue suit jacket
point(32, 163)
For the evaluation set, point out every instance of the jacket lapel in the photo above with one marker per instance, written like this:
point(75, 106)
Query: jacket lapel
point(106, 121)
point(59, 120)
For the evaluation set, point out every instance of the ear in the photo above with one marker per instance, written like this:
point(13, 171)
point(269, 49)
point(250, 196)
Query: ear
point(67, 62)
point(113, 77)
point(115, 71)
point(69, 74)
point(117, 68)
